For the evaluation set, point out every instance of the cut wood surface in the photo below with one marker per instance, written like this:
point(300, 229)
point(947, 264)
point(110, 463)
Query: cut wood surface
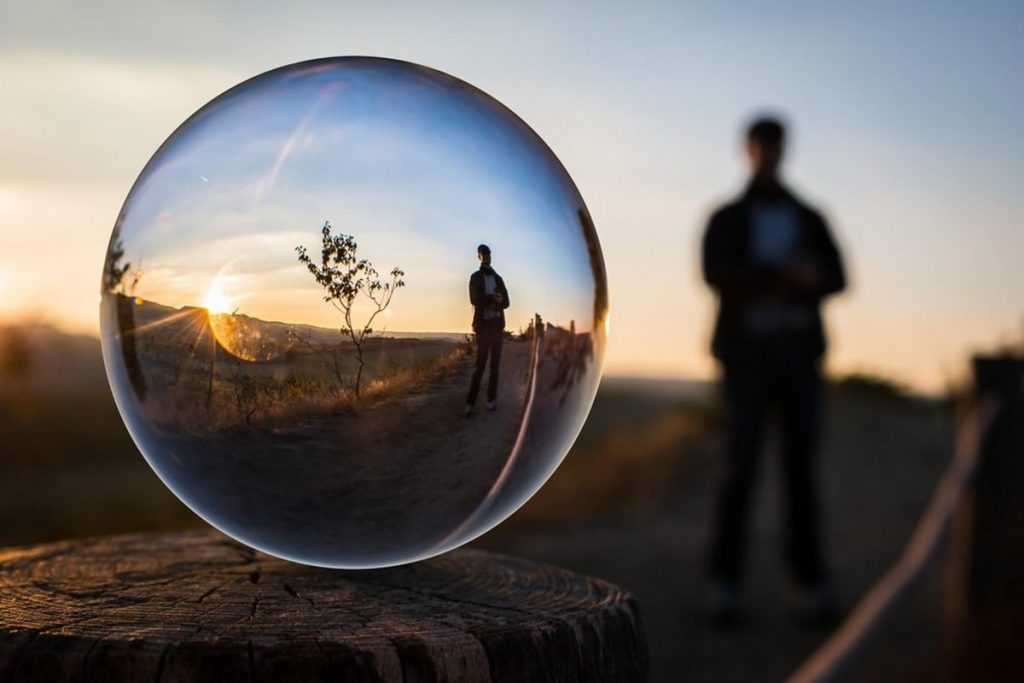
point(198, 606)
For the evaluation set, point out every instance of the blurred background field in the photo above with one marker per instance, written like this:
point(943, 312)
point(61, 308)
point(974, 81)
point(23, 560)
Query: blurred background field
point(631, 503)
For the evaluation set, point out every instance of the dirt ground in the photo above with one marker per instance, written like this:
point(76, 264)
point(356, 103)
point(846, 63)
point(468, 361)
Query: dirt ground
point(630, 504)
point(880, 463)
point(351, 488)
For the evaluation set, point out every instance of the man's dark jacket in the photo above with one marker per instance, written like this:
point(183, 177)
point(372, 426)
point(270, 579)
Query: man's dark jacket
point(740, 282)
point(481, 302)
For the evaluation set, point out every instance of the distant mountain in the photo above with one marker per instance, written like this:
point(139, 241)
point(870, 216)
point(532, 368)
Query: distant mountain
point(151, 311)
point(444, 336)
point(45, 359)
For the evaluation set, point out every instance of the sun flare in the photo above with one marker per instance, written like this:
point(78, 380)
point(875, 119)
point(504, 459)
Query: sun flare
point(216, 301)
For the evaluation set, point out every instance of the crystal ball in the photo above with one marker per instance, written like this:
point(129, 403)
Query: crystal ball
point(353, 312)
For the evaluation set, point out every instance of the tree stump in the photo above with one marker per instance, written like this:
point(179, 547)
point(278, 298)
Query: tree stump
point(198, 606)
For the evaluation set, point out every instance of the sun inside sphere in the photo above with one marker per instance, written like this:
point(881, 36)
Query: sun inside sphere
point(354, 312)
point(216, 301)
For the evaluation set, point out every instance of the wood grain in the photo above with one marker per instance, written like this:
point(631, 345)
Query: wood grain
point(198, 606)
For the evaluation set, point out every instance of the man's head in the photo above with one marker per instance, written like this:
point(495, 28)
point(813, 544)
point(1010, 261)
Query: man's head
point(483, 252)
point(766, 137)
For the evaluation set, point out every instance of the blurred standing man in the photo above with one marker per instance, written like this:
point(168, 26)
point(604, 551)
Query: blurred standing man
point(489, 297)
point(771, 260)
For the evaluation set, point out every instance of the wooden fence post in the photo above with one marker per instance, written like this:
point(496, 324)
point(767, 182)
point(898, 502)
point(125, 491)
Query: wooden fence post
point(986, 605)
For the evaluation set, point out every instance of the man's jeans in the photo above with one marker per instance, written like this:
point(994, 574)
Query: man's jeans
point(488, 344)
point(790, 381)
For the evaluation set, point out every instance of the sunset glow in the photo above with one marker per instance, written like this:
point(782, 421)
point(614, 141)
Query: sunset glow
point(216, 301)
point(649, 133)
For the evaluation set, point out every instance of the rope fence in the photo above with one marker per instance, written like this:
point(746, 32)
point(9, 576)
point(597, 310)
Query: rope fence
point(833, 659)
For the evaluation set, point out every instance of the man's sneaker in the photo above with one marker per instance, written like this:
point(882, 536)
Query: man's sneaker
point(491, 405)
point(723, 607)
point(467, 411)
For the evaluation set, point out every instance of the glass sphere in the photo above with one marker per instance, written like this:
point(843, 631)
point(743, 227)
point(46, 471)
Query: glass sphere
point(309, 281)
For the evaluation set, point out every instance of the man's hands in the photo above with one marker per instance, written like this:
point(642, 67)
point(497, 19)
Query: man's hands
point(803, 273)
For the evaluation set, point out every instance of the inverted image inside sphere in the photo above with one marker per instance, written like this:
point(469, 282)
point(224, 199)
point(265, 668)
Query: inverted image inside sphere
point(353, 312)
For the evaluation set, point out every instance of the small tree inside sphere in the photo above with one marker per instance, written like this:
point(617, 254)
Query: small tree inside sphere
point(344, 278)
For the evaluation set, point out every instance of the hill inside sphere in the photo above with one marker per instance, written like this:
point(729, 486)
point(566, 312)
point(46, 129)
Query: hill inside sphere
point(353, 312)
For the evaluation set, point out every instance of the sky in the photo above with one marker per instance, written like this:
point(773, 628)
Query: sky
point(904, 121)
point(416, 166)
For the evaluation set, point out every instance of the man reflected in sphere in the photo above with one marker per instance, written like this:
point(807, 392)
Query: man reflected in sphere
point(771, 261)
point(489, 297)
